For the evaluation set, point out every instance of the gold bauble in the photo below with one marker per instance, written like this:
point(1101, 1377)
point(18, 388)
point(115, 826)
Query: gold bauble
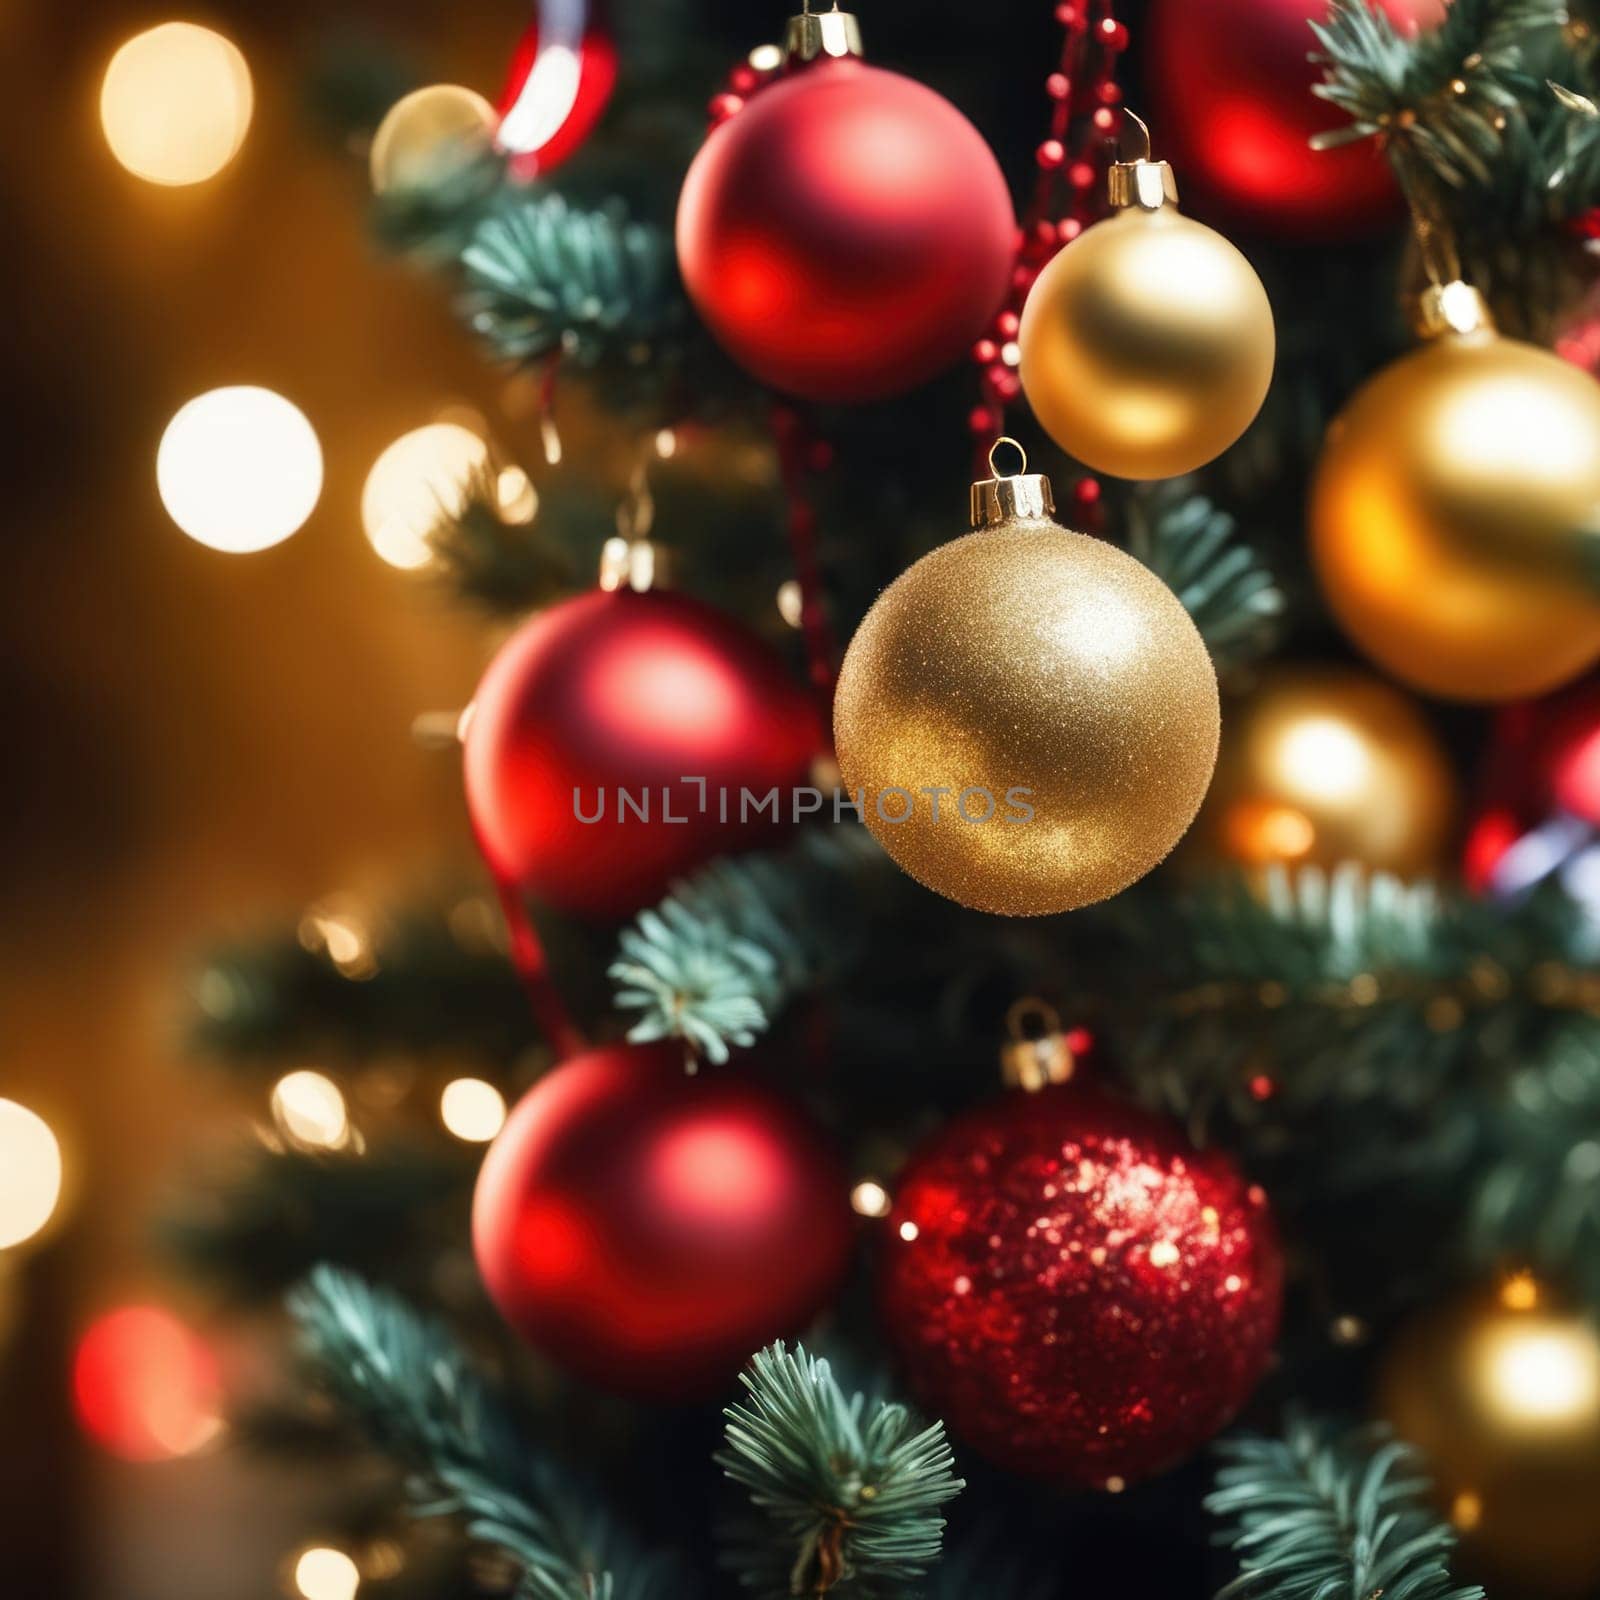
point(1501, 1393)
point(1147, 344)
point(1027, 658)
point(430, 134)
point(1451, 510)
point(1323, 764)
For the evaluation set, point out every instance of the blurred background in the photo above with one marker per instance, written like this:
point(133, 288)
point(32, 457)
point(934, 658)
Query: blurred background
point(198, 740)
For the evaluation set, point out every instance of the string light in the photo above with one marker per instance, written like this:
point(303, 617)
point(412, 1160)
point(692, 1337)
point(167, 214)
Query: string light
point(474, 1111)
point(30, 1174)
point(519, 500)
point(870, 1199)
point(424, 477)
point(175, 103)
point(325, 1574)
point(239, 469)
point(310, 1111)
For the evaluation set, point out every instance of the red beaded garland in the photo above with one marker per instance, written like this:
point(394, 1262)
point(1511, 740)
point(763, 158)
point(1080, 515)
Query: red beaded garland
point(1076, 1291)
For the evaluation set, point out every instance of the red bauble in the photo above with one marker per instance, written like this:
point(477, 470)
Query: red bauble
point(561, 78)
point(1075, 1290)
point(847, 234)
point(651, 1230)
point(617, 702)
point(1234, 83)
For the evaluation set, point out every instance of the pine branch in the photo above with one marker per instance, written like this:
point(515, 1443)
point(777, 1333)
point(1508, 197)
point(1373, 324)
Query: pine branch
point(406, 1383)
point(715, 962)
point(1443, 96)
point(1537, 1196)
point(507, 568)
point(544, 278)
point(849, 1498)
point(1195, 548)
point(1319, 1514)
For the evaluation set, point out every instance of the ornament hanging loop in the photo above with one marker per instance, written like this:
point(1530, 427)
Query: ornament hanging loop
point(832, 33)
point(632, 560)
point(1143, 182)
point(1036, 1053)
point(1005, 496)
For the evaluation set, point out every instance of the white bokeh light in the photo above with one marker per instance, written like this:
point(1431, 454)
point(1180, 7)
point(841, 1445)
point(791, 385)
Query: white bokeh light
point(239, 469)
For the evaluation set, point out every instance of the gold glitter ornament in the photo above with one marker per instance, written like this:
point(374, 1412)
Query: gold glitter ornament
point(1455, 509)
point(1501, 1393)
point(1147, 344)
point(1028, 715)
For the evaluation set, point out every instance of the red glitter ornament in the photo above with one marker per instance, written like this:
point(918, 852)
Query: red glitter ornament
point(651, 1230)
point(1234, 81)
point(613, 742)
point(847, 235)
point(1076, 1291)
point(561, 78)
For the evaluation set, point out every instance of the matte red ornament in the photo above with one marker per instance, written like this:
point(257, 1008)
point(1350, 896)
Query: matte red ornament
point(1076, 1291)
point(561, 79)
point(650, 1230)
point(847, 235)
point(1233, 80)
point(613, 740)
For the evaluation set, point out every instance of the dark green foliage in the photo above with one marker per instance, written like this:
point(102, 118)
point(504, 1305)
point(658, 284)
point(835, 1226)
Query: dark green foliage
point(437, 980)
point(252, 1231)
point(503, 567)
point(405, 1382)
point(1321, 1514)
point(1194, 547)
point(848, 1492)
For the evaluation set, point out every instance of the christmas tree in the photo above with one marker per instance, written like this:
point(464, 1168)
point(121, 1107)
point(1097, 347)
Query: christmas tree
point(1272, 1265)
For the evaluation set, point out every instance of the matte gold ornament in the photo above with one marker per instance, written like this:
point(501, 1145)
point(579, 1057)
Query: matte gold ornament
point(430, 134)
point(1455, 507)
point(1029, 715)
point(1501, 1392)
point(1323, 764)
point(1148, 343)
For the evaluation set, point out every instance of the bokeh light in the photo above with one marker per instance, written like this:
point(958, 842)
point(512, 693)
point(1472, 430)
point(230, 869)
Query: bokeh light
point(870, 1199)
point(424, 476)
point(474, 1111)
point(310, 1111)
point(175, 103)
point(239, 469)
point(146, 1387)
point(325, 1574)
point(30, 1174)
point(430, 134)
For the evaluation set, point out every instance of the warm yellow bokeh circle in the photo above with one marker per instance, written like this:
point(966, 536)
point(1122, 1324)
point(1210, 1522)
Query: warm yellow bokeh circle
point(175, 103)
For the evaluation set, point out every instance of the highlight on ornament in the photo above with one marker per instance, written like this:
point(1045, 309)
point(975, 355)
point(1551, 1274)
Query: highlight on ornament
point(1100, 706)
point(1147, 344)
point(239, 469)
point(175, 103)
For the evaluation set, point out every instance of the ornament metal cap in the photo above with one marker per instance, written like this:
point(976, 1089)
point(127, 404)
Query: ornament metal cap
point(1454, 307)
point(1032, 1058)
point(1142, 182)
point(1020, 494)
point(827, 33)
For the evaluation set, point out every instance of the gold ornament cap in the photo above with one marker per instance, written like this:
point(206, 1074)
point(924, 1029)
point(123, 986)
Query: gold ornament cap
point(1143, 182)
point(1454, 307)
point(1037, 1053)
point(1002, 497)
point(832, 33)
